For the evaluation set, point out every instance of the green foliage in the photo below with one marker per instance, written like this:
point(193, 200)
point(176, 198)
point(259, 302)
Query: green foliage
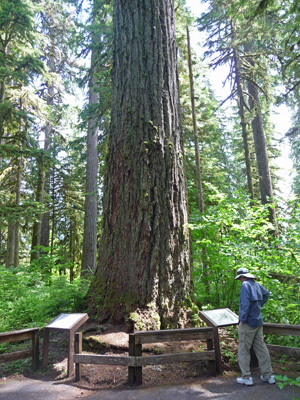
point(282, 381)
point(28, 300)
point(236, 233)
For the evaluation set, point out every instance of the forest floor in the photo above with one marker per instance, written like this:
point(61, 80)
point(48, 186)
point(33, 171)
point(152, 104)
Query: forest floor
point(111, 340)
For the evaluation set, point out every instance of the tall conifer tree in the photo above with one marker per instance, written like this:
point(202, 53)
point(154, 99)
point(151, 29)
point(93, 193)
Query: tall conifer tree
point(144, 249)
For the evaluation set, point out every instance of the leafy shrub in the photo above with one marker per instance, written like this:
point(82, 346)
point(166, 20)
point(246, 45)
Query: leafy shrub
point(233, 233)
point(282, 381)
point(27, 300)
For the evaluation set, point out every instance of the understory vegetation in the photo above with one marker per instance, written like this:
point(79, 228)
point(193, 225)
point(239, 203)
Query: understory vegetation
point(236, 233)
point(28, 300)
point(233, 232)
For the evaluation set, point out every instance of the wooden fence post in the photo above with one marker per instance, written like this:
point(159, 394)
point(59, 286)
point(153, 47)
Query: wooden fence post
point(138, 370)
point(217, 350)
point(35, 350)
point(131, 370)
point(46, 346)
point(212, 363)
point(78, 350)
point(135, 374)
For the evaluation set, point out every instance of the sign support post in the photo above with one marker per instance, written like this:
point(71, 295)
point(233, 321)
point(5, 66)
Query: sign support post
point(219, 318)
point(69, 322)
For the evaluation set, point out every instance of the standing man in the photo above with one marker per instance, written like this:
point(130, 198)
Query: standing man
point(252, 297)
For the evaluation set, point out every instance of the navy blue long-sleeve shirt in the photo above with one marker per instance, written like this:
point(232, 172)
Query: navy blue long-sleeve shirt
point(252, 297)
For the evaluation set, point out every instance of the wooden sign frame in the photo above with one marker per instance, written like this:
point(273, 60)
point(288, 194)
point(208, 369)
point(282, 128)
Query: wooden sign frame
point(68, 322)
point(207, 317)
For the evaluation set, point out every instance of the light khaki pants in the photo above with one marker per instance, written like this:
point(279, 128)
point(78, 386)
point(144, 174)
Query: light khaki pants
point(253, 336)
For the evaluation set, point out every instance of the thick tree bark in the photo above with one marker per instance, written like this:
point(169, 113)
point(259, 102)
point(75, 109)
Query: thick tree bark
point(144, 250)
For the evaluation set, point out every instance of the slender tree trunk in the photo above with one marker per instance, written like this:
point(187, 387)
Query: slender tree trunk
point(244, 123)
point(144, 250)
point(1, 247)
point(2, 94)
point(40, 231)
point(11, 228)
point(10, 246)
point(195, 130)
point(71, 250)
point(36, 228)
point(41, 227)
point(53, 213)
point(2, 91)
point(89, 250)
point(265, 182)
point(12, 249)
point(198, 163)
point(45, 177)
point(17, 223)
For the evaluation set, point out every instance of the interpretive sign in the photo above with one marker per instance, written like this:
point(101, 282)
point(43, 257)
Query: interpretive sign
point(66, 321)
point(69, 322)
point(219, 317)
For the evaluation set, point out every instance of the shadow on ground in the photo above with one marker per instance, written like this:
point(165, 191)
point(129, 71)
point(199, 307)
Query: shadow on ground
point(224, 388)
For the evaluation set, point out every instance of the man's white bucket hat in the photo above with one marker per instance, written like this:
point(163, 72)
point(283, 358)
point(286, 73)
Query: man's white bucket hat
point(244, 272)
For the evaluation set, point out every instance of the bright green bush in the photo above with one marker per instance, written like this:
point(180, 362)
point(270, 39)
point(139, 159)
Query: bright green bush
point(28, 300)
point(234, 233)
point(283, 381)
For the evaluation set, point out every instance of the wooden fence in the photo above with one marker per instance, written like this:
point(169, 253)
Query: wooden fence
point(15, 336)
point(285, 330)
point(135, 360)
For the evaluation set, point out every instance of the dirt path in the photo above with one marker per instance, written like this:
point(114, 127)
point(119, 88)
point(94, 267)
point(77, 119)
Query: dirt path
point(224, 388)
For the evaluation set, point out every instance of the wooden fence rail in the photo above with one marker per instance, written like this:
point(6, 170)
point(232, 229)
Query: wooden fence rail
point(15, 336)
point(136, 340)
point(284, 330)
point(135, 361)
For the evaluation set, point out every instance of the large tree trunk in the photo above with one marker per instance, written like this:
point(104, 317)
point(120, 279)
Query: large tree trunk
point(144, 250)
